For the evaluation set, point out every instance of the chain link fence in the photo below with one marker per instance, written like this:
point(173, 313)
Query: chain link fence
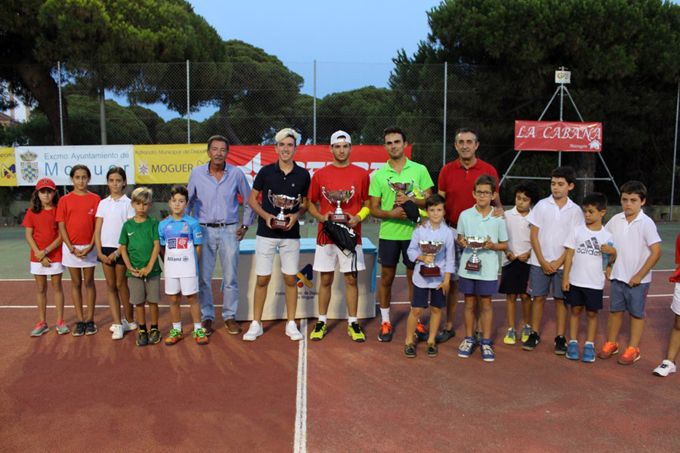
point(248, 102)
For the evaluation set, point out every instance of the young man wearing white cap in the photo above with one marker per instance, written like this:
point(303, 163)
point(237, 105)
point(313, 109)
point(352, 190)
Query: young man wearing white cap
point(283, 177)
point(341, 175)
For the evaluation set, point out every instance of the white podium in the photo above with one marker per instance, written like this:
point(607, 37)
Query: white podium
point(308, 283)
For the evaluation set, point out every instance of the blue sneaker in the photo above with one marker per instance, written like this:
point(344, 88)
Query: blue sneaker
point(466, 347)
point(487, 351)
point(589, 353)
point(572, 350)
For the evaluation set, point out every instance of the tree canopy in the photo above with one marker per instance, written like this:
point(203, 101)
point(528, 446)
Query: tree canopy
point(625, 62)
point(90, 36)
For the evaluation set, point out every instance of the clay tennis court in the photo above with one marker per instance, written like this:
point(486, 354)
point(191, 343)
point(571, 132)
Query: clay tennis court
point(61, 393)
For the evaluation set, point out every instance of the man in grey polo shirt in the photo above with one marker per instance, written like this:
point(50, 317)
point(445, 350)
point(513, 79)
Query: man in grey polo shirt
point(213, 190)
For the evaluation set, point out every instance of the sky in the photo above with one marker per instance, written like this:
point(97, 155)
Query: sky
point(353, 41)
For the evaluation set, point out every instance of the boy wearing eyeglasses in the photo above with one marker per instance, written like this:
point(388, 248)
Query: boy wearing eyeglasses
point(478, 273)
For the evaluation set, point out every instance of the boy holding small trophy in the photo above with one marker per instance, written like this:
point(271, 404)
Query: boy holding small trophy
point(482, 236)
point(432, 248)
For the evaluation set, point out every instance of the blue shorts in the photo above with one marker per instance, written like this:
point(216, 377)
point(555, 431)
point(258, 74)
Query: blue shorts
point(539, 283)
point(477, 287)
point(622, 297)
point(588, 297)
point(420, 296)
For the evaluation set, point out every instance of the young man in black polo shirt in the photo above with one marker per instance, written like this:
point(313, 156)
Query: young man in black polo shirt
point(283, 177)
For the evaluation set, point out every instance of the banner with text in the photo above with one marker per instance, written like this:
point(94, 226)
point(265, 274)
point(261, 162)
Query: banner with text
point(558, 136)
point(168, 164)
point(8, 167)
point(55, 162)
point(172, 164)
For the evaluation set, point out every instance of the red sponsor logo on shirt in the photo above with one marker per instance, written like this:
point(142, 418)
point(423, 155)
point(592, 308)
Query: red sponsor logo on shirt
point(182, 243)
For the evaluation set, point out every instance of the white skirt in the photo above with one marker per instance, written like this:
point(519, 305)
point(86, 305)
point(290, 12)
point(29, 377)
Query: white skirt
point(68, 259)
point(53, 269)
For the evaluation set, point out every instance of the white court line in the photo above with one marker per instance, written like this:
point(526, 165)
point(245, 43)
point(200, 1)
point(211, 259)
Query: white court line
point(300, 445)
point(377, 303)
point(103, 279)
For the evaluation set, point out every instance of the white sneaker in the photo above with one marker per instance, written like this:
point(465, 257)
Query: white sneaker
point(667, 367)
point(126, 326)
point(292, 331)
point(254, 331)
point(117, 332)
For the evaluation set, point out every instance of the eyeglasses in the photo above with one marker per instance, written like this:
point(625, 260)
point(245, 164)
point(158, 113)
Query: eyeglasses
point(483, 193)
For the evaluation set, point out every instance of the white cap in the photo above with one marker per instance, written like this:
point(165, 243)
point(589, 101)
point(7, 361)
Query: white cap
point(340, 137)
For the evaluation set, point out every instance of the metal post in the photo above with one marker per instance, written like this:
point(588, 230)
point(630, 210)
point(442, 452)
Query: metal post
point(446, 80)
point(314, 135)
point(559, 153)
point(675, 150)
point(188, 107)
point(61, 107)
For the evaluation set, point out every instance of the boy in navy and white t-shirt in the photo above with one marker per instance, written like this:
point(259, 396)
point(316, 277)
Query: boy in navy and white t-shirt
point(583, 278)
point(181, 236)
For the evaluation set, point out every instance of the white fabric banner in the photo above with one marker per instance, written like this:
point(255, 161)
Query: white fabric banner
point(55, 162)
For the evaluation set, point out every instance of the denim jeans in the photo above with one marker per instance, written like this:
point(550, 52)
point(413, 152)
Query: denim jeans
point(223, 241)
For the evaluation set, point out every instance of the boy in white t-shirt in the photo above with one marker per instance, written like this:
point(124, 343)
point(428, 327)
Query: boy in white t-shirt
point(515, 273)
point(638, 247)
point(583, 279)
point(551, 221)
point(181, 236)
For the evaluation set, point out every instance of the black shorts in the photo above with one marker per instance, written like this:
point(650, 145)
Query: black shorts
point(421, 295)
point(515, 278)
point(108, 251)
point(388, 253)
point(591, 298)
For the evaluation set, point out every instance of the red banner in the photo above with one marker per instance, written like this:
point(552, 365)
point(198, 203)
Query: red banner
point(250, 159)
point(558, 136)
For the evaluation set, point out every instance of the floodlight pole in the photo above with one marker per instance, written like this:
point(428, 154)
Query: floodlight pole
point(446, 77)
point(188, 106)
point(314, 119)
point(675, 151)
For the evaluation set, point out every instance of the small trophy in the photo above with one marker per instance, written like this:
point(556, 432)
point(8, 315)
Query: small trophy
point(282, 202)
point(401, 187)
point(475, 243)
point(338, 196)
point(430, 248)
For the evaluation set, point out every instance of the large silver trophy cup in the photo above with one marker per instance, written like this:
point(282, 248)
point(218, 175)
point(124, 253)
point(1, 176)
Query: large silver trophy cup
point(430, 248)
point(338, 197)
point(401, 187)
point(282, 202)
point(476, 243)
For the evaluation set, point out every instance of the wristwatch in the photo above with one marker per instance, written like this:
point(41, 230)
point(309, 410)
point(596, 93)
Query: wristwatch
point(244, 227)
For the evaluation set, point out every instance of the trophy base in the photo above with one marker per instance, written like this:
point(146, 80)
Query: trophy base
point(340, 218)
point(430, 271)
point(473, 267)
point(279, 224)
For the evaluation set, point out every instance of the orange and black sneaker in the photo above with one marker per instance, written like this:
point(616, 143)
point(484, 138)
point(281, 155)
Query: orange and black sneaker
point(608, 350)
point(630, 356)
point(385, 333)
point(174, 338)
point(421, 332)
point(201, 338)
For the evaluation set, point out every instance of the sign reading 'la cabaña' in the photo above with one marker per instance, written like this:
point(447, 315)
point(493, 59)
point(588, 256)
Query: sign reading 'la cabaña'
point(558, 136)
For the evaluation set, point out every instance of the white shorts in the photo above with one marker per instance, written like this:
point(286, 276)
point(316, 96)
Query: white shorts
point(327, 257)
point(265, 251)
point(39, 269)
point(186, 285)
point(675, 305)
point(68, 259)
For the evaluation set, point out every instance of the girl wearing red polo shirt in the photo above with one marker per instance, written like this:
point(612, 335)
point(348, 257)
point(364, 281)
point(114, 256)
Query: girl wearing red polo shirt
point(76, 217)
point(42, 235)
